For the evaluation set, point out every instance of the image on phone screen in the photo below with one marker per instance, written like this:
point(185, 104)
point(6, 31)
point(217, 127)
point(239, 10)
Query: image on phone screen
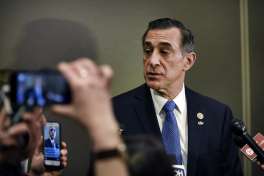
point(39, 88)
point(52, 144)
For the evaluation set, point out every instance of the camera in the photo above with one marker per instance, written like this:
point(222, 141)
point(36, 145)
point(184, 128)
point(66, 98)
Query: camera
point(36, 88)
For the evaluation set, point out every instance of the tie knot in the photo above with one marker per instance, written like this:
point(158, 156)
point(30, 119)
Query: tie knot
point(169, 106)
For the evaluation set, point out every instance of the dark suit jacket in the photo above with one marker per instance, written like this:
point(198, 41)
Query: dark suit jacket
point(211, 151)
point(49, 144)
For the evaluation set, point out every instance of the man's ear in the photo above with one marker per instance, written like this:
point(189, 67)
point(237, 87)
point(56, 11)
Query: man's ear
point(189, 59)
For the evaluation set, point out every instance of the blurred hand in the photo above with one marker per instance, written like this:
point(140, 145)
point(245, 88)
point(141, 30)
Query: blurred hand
point(35, 122)
point(91, 107)
point(89, 84)
point(19, 141)
point(64, 154)
point(91, 104)
point(37, 161)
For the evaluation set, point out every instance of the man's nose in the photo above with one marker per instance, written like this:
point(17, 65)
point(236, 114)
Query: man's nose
point(154, 59)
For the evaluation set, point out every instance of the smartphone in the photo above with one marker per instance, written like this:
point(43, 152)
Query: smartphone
point(38, 88)
point(52, 145)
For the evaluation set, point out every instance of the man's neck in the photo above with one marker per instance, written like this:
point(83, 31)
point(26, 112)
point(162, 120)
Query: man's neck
point(170, 93)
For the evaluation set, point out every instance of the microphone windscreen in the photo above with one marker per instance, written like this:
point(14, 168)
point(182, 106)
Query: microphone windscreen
point(238, 127)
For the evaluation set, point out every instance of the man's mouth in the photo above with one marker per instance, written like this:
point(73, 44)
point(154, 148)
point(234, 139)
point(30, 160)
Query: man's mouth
point(153, 75)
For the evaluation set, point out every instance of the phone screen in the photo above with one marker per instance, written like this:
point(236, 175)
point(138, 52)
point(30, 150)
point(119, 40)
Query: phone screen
point(51, 144)
point(39, 88)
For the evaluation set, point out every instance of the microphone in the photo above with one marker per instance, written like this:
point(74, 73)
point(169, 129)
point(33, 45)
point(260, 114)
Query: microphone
point(242, 137)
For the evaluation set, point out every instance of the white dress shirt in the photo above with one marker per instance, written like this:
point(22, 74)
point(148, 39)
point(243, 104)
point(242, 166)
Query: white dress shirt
point(181, 117)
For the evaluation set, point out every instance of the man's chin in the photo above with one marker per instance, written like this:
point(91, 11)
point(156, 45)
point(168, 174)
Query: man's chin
point(153, 84)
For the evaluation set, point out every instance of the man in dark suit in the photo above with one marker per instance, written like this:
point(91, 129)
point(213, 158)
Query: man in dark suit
point(202, 125)
point(51, 141)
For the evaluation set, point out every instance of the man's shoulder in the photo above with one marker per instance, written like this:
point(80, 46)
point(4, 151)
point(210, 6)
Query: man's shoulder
point(47, 142)
point(191, 95)
point(138, 91)
point(204, 100)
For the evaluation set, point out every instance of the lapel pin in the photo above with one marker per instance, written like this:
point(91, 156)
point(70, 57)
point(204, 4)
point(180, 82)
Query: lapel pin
point(200, 116)
point(200, 123)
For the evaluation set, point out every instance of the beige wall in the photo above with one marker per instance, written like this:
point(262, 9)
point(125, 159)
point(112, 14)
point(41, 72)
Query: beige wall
point(37, 34)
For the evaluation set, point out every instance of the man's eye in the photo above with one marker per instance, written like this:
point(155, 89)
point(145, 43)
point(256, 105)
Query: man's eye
point(164, 52)
point(147, 50)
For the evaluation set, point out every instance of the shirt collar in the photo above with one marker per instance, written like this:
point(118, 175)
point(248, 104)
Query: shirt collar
point(160, 101)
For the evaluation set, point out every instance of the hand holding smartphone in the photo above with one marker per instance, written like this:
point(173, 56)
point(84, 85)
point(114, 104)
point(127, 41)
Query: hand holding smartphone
point(52, 145)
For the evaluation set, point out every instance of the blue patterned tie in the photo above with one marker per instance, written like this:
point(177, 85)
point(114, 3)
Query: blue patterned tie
point(170, 133)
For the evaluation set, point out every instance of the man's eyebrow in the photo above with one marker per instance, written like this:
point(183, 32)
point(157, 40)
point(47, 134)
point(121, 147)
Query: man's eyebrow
point(165, 44)
point(147, 43)
point(161, 44)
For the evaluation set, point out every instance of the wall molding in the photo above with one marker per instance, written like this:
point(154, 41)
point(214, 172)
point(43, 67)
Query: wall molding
point(245, 74)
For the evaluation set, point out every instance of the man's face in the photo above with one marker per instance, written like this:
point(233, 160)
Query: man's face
point(52, 133)
point(164, 62)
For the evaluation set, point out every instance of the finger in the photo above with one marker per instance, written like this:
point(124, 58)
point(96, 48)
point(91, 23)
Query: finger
point(107, 74)
point(69, 73)
point(18, 129)
point(64, 163)
point(29, 116)
point(43, 119)
point(64, 158)
point(107, 71)
point(9, 138)
point(37, 110)
point(86, 73)
point(2, 117)
point(34, 122)
point(63, 145)
point(66, 110)
point(87, 64)
point(40, 145)
point(8, 141)
point(4, 120)
point(64, 152)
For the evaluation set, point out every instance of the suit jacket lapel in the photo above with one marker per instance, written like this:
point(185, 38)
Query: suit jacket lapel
point(195, 131)
point(144, 108)
point(145, 111)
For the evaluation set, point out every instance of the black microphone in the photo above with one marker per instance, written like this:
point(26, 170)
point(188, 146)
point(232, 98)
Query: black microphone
point(239, 141)
point(239, 129)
